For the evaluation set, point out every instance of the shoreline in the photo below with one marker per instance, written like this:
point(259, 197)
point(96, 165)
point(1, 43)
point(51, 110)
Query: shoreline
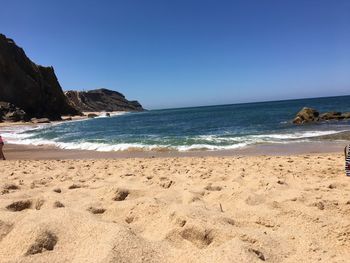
point(65, 119)
point(333, 143)
point(280, 202)
point(45, 152)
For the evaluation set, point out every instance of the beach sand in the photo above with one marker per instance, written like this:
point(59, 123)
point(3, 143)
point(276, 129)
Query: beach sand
point(292, 208)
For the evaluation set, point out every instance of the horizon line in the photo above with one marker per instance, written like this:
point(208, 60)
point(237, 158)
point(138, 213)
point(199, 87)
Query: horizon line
point(251, 102)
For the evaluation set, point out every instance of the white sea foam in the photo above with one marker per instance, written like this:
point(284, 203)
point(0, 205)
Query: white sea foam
point(112, 114)
point(298, 135)
point(22, 135)
point(209, 147)
point(101, 147)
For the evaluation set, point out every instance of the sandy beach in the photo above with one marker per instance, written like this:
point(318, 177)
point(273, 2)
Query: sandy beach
point(292, 208)
point(175, 131)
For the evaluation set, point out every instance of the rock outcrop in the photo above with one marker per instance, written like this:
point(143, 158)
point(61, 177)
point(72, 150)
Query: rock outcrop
point(331, 116)
point(306, 115)
point(9, 112)
point(309, 115)
point(30, 87)
point(101, 100)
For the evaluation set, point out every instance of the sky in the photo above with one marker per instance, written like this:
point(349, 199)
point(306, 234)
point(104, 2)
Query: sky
point(189, 52)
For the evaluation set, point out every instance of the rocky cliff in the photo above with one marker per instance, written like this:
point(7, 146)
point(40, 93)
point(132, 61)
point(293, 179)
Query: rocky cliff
point(32, 88)
point(101, 100)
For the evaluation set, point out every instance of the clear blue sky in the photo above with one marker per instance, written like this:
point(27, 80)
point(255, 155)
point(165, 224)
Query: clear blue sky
point(191, 52)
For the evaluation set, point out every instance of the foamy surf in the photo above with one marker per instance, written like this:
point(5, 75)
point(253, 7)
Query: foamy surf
point(25, 137)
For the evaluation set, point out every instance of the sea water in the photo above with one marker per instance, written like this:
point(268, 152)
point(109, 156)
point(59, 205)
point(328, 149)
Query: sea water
point(197, 128)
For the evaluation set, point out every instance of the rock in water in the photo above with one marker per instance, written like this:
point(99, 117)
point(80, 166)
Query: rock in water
point(346, 115)
point(331, 116)
point(92, 115)
point(306, 115)
point(32, 88)
point(101, 100)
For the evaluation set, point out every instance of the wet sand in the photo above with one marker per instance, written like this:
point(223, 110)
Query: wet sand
point(30, 152)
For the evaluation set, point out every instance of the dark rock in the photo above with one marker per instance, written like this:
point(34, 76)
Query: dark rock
point(331, 116)
point(306, 115)
point(309, 115)
point(92, 115)
point(108, 114)
point(101, 100)
point(9, 112)
point(32, 88)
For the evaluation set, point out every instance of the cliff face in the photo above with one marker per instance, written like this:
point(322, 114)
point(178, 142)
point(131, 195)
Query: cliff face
point(31, 87)
point(101, 100)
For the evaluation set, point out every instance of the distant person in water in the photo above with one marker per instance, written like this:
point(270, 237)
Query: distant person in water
point(2, 156)
point(347, 160)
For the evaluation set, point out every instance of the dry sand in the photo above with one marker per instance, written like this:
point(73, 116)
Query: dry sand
point(192, 209)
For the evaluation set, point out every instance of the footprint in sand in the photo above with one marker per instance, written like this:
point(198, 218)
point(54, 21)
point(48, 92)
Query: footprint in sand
point(74, 186)
point(255, 200)
point(229, 221)
point(39, 203)
point(11, 187)
point(191, 197)
point(198, 236)
point(7, 188)
point(19, 205)
point(129, 219)
point(57, 190)
point(5, 228)
point(45, 241)
point(213, 188)
point(181, 222)
point(166, 184)
point(257, 253)
point(201, 238)
point(95, 210)
point(121, 194)
point(58, 204)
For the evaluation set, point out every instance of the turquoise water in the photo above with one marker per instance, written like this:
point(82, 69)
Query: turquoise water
point(210, 128)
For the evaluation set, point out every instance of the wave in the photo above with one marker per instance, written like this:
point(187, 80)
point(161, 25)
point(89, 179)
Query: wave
point(267, 137)
point(25, 135)
point(299, 135)
point(103, 147)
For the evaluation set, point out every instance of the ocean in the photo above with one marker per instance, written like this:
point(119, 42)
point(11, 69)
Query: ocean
point(219, 127)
